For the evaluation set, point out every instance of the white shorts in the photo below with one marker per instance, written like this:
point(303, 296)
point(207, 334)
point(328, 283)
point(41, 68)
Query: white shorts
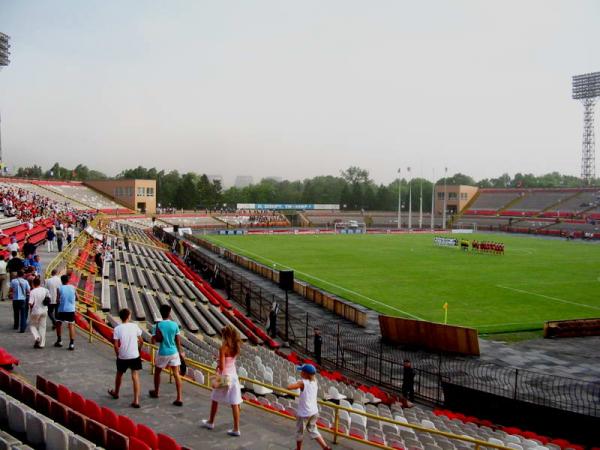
point(167, 361)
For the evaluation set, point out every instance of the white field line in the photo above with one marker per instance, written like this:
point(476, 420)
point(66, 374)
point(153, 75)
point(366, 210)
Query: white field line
point(556, 299)
point(326, 282)
point(505, 324)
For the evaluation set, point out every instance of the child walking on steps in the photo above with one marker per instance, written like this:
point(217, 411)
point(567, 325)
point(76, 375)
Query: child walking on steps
point(308, 410)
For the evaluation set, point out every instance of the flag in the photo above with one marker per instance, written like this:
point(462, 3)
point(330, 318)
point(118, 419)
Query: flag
point(445, 306)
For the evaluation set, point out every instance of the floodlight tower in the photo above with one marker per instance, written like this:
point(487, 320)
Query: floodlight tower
point(587, 89)
point(4, 53)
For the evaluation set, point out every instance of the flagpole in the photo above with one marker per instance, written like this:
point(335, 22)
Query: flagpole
point(409, 200)
point(433, 201)
point(421, 204)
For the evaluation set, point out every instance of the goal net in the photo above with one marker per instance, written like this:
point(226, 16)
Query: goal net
point(350, 227)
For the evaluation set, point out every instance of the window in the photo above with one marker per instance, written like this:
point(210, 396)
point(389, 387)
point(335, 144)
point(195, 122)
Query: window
point(141, 191)
point(150, 192)
point(440, 196)
point(452, 195)
point(463, 196)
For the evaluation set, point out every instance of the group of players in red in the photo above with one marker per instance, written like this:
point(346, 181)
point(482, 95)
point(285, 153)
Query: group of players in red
point(496, 248)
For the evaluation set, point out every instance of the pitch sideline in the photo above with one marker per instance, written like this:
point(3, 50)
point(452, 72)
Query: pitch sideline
point(326, 282)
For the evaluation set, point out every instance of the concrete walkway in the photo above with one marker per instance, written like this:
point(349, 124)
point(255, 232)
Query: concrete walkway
point(90, 370)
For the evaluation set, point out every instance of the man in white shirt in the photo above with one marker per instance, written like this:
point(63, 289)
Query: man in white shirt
point(13, 246)
point(70, 233)
point(127, 342)
point(3, 279)
point(53, 285)
point(38, 314)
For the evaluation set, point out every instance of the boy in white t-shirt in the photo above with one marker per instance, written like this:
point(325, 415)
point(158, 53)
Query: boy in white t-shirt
point(127, 342)
point(307, 412)
point(38, 313)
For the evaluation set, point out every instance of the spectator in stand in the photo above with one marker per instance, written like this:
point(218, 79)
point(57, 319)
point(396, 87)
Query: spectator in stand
point(50, 238)
point(67, 300)
point(20, 292)
point(170, 354)
point(226, 385)
point(38, 298)
point(308, 409)
point(60, 237)
point(53, 285)
point(317, 345)
point(3, 279)
point(14, 265)
point(98, 260)
point(28, 248)
point(70, 233)
point(408, 384)
point(14, 245)
point(126, 242)
point(272, 328)
point(127, 342)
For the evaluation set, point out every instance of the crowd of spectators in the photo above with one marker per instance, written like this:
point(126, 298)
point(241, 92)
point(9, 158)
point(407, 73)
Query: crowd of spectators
point(252, 218)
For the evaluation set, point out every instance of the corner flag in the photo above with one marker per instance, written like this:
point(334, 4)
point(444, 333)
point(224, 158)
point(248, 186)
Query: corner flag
point(445, 307)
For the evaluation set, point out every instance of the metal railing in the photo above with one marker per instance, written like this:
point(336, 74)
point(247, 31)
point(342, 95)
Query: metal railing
point(366, 357)
point(209, 372)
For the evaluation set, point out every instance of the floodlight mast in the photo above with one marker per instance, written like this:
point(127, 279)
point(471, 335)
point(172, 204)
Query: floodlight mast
point(586, 88)
point(4, 61)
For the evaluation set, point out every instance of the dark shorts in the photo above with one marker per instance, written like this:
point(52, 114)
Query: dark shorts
point(68, 317)
point(133, 364)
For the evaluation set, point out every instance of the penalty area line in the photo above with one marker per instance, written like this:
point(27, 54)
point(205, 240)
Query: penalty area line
point(326, 282)
point(556, 299)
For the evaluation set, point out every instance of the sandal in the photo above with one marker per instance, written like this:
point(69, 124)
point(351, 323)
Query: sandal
point(153, 394)
point(178, 403)
point(113, 394)
point(135, 405)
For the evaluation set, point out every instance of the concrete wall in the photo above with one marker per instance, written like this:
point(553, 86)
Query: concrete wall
point(138, 195)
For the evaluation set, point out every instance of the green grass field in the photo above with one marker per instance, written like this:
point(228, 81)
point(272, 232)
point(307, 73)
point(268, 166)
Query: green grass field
point(406, 275)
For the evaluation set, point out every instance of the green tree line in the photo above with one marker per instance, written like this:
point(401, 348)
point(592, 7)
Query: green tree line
point(353, 189)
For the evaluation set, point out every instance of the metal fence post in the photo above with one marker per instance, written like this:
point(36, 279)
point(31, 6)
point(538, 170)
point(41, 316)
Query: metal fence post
point(516, 384)
point(306, 341)
point(336, 422)
point(380, 359)
point(337, 346)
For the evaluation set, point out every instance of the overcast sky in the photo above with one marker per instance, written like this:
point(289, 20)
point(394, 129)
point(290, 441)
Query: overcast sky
point(297, 89)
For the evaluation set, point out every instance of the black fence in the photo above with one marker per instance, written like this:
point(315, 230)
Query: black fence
point(367, 357)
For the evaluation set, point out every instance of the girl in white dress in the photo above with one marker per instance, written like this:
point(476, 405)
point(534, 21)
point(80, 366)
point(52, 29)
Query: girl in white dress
point(229, 390)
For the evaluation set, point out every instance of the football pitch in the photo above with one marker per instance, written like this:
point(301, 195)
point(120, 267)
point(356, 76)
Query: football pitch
point(408, 276)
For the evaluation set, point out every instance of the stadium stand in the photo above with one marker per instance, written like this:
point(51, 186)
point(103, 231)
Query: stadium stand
point(195, 221)
point(86, 195)
point(254, 219)
point(489, 201)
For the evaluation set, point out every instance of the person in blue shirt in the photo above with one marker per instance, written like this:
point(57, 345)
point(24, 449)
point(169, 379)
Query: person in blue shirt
point(37, 265)
point(170, 354)
point(67, 301)
point(20, 293)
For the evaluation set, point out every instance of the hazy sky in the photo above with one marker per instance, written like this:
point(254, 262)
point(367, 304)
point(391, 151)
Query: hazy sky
point(297, 89)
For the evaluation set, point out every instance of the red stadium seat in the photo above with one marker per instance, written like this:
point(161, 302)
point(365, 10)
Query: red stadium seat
point(126, 426)
point(138, 444)
point(109, 418)
point(116, 441)
point(28, 396)
point(52, 390)
point(40, 384)
point(64, 395)
point(76, 422)
point(15, 388)
point(167, 442)
point(78, 402)
point(147, 435)
point(42, 404)
point(95, 432)
point(58, 412)
point(92, 410)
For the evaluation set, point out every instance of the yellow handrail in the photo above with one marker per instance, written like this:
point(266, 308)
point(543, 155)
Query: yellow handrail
point(337, 408)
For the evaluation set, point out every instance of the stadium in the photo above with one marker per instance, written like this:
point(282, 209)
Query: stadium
point(442, 314)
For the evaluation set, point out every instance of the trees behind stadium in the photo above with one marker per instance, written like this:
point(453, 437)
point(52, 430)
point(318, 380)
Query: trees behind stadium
point(353, 189)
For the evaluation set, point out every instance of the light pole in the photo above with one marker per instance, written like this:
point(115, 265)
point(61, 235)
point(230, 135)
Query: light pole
point(445, 196)
point(409, 199)
point(433, 202)
point(399, 200)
